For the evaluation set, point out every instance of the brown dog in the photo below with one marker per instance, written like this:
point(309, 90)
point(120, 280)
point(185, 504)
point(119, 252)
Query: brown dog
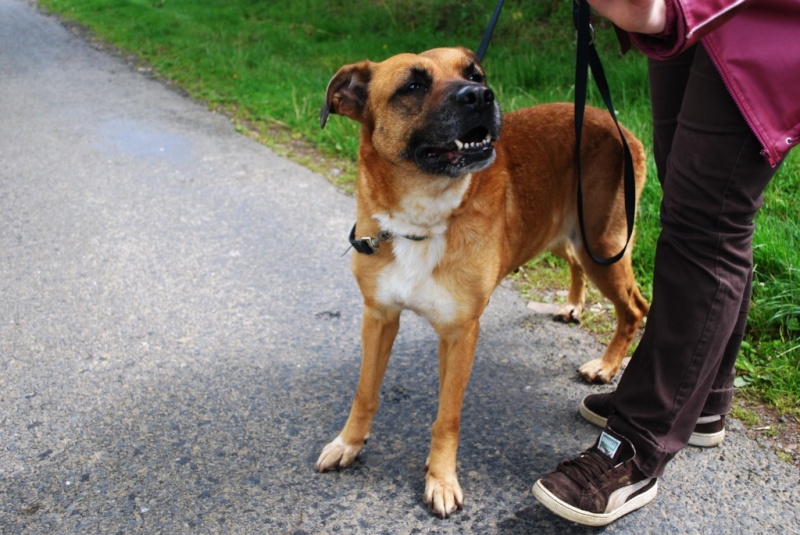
point(449, 211)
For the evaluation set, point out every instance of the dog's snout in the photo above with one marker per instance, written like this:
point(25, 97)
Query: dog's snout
point(475, 96)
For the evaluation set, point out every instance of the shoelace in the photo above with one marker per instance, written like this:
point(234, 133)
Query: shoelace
point(587, 468)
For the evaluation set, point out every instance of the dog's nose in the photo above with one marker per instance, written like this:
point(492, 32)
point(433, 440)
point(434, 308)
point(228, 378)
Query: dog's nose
point(476, 97)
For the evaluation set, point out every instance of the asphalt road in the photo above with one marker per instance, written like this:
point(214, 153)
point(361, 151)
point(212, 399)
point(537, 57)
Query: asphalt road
point(179, 339)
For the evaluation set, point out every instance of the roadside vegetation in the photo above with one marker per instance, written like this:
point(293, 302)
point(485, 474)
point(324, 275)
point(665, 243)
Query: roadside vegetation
point(267, 64)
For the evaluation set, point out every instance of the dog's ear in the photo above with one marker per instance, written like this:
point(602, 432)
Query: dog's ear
point(347, 92)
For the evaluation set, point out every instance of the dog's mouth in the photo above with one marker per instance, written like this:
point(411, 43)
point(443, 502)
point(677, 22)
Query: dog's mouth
point(464, 153)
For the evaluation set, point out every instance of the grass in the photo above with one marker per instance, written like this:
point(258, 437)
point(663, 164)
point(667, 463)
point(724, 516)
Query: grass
point(267, 64)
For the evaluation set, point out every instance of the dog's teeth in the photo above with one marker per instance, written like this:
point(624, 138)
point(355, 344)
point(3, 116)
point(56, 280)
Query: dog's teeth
point(460, 145)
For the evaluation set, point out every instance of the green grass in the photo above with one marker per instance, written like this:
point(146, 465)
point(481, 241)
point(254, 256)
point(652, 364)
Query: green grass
point(267, 64)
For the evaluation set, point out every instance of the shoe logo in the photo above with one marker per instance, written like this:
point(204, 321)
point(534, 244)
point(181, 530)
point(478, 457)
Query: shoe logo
point(608, 445)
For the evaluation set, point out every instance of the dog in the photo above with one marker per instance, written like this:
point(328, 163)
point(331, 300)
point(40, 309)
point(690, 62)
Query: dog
point(447, 207)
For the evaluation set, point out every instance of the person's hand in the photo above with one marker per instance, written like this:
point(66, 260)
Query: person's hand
point(638, 16)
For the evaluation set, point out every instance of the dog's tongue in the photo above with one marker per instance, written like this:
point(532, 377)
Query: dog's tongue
point(454, 156)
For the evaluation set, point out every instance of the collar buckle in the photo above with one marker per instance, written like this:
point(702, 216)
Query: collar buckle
point(370, 245)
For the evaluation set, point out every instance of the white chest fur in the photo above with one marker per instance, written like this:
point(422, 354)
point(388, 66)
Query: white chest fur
point(408, 282)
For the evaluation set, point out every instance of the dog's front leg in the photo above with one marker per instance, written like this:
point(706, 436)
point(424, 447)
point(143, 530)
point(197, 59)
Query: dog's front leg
point(378, 330)
point(456, 354)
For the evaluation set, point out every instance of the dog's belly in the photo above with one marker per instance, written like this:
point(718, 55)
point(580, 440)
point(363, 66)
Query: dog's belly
point(408, 282)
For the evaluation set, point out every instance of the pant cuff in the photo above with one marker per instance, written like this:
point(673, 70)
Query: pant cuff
point(719, 401)
point(650, 458)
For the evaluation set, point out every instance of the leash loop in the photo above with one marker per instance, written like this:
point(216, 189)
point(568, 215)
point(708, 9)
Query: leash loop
point(587, 57)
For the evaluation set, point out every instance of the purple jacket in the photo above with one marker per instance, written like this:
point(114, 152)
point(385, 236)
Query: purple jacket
point(755, 45)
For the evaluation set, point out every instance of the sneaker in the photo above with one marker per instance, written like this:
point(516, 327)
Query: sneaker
point(599, 486)
point(709, 431)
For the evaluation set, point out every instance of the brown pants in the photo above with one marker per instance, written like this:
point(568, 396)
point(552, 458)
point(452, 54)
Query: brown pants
point(712, 177)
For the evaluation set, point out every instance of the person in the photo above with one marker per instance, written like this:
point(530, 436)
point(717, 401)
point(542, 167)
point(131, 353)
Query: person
point(723, 80)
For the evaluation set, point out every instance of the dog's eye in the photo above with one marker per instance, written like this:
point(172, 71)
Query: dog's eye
point(476, 77)
point(412, 87)
point(417, 83)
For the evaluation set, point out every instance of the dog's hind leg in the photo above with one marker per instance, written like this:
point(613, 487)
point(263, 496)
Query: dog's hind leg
point(617, 283)
point(456, 354)
point(378, 330)
point(571, 311)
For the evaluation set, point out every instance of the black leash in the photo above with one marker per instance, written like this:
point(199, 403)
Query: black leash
point(487, 35)
point(587, 57)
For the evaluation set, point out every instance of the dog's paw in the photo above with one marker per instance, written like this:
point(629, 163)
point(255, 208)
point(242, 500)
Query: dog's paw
point(596, 371)
point(569, 313)
point(337, 454)
point(443, 494)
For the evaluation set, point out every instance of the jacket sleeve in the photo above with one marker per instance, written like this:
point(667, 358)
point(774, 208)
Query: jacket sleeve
point(687, 22)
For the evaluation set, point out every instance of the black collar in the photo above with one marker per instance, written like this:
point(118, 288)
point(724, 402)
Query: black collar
point(368, 245)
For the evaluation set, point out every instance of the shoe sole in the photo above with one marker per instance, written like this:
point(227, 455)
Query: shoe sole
point(707, 440)
point(569, 512)
point(701, 440)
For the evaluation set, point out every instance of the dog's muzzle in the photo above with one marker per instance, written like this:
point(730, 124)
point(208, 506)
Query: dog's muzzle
point(460, 138)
